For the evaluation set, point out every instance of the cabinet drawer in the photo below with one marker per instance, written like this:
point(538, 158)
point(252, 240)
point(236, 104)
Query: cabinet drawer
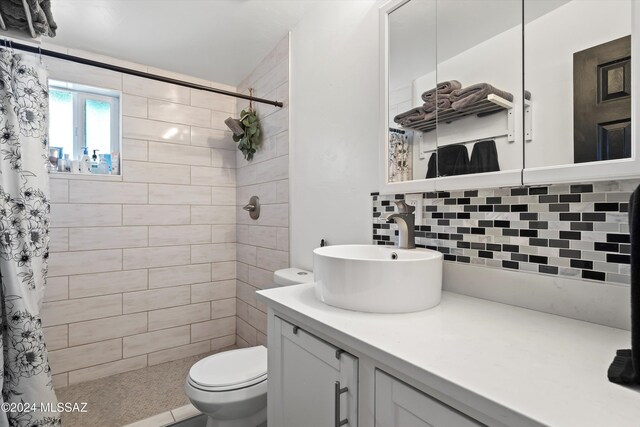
point(398, 404)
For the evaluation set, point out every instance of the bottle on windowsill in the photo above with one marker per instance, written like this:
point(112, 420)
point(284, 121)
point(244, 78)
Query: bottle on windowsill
point(94, 162)
point(85, 162)
point(103, 166)
point(67, 163)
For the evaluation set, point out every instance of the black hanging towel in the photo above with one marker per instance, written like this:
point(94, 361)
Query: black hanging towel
point(484, 157)
point(432, 168)
point(451, 160)
point(625, 368)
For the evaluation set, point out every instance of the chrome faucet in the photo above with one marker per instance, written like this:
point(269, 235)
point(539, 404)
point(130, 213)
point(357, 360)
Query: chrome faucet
point(405, 219)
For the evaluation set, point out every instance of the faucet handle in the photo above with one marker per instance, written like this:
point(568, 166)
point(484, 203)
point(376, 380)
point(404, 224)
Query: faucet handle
point(404, 208)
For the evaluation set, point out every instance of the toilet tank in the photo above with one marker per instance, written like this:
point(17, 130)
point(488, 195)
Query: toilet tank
point(292, 276)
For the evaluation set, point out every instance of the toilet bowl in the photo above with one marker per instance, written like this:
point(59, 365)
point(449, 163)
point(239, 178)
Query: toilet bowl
point(231, 387)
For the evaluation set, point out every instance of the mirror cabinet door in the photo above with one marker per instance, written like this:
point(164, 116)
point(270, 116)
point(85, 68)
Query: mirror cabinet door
point(455, 88)
point(480, 86)
point(411, 58)
point(578, 71)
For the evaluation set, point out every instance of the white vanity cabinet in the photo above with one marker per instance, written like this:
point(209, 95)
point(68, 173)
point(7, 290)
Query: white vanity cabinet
point(311, 383)
point(398, 404)
point(314, 383)
point(414, 369)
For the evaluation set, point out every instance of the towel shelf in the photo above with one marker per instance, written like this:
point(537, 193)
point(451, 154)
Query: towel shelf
point(493, 103)
point(469, 141)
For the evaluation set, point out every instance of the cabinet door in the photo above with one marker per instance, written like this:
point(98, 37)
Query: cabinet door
point(307, 380)
point(399, 405)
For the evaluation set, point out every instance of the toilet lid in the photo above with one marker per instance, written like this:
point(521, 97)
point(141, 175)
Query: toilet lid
point(231, 368)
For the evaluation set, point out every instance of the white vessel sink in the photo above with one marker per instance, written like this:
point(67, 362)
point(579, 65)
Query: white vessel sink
point(378, 279)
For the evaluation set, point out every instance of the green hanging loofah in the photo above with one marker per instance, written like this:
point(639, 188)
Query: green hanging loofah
point(250, 139)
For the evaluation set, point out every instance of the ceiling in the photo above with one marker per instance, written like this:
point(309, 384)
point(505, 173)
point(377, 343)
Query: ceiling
point(219, 40)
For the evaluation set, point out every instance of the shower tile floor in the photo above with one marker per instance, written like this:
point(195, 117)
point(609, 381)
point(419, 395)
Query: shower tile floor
point(148, 397)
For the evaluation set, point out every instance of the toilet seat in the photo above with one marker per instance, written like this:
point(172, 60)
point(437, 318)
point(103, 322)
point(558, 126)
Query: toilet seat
point(230, 370)
point(226, 388)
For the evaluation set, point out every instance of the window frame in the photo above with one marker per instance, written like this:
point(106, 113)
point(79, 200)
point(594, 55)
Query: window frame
point(81, 94)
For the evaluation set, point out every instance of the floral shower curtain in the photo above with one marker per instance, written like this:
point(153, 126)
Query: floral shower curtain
point(24, 242)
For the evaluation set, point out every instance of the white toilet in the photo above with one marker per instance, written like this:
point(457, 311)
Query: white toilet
point(231, 387)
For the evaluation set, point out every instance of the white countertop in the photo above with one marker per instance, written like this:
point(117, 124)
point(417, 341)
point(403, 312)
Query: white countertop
point(521, 367)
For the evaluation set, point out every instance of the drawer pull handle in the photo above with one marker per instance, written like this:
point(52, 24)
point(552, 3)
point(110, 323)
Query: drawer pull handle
point(295, 330)
point(338, 392)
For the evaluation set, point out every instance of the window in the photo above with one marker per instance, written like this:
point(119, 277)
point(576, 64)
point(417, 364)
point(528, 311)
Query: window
point(82, 116)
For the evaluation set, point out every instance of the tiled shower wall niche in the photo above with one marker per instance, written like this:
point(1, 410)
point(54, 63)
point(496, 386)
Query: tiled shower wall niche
point(577, 231)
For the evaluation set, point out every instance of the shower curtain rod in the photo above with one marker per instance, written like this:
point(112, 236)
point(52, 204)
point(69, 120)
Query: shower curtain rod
point(104, 65)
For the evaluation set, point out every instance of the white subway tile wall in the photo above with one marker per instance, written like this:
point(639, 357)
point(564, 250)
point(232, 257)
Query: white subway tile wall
point(263, 245)
point(143, 266)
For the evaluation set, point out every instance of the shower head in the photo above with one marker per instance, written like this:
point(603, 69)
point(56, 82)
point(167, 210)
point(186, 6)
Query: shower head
point(234, 125)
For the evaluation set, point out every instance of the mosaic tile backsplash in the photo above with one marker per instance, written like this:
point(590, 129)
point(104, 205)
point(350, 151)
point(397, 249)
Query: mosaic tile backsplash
point(578, 231)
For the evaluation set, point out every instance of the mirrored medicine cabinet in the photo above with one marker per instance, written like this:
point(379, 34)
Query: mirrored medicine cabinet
point(498, 93)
